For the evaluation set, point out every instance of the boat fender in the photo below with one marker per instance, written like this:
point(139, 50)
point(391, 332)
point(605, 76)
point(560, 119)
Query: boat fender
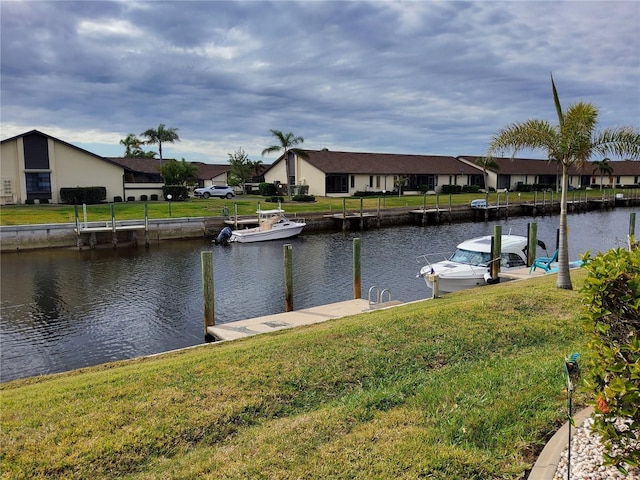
point(489, 279)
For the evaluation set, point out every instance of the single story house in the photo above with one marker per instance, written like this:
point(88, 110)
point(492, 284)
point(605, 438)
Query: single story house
point(329, 173)
point(511, 172)
point(35, 166)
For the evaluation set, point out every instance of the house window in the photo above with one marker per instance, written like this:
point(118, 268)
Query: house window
point(38, 184)
point(371, 181)
point(377, 181)
point(336, 184)
point(353, 181)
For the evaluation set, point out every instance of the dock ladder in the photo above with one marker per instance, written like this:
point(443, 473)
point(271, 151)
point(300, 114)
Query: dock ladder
point(379, 296)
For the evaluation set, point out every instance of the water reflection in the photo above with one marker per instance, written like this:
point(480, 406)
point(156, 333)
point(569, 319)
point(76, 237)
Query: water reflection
point(64, 309)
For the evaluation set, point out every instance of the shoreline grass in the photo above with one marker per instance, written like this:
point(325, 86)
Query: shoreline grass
point(246, 205)
point(469, 386)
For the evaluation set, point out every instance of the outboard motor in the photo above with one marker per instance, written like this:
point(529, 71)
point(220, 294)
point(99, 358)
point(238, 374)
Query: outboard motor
point(223, 237)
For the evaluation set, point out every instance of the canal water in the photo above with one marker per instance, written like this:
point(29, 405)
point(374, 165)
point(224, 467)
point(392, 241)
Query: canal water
point(66, 309)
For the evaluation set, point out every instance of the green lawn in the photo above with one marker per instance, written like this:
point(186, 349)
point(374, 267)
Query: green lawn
point(245, 205)
point(469, 386)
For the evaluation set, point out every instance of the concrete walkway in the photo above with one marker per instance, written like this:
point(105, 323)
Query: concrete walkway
point(547, 464)
point(296, 318)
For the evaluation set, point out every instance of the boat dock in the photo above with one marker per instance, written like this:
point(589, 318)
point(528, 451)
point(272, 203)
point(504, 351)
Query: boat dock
point(296, 318)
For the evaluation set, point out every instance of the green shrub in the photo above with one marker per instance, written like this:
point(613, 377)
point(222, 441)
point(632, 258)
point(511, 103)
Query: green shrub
point(44, 201)
point(275, 199)
point(144, 198)
point(267, 189)
point(521, 187)
point(177, 192)
point(471, 188)
point(451, 189)
point(154, 197)
point(117, 199)
point(80, 195)
point(29, 201)
point(131, 199)
point(304, 198)
point(612, 299)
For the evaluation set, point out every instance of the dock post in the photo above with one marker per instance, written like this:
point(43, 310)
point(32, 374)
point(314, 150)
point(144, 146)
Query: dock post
point(435, 281)
point(449, 209)
point(496, 253)
point(207, 290)
point(357, 280)
point(379, 218)
point(632, 230)
point(361, 215)
point(532, 242)
point(344, 214)
point(288, 277)
point(146, 225)
point(437, 208)
point(114, 239)
point(79, 239)
point(424, 209)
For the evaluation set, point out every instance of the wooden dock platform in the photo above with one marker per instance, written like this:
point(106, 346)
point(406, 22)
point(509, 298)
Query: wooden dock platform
point(296, 318)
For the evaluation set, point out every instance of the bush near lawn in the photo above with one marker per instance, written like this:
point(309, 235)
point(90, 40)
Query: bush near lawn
point(612, 294)
point(468, 386)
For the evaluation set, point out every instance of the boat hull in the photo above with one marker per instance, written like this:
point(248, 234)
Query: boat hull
point(448, 285)
point(251, 235)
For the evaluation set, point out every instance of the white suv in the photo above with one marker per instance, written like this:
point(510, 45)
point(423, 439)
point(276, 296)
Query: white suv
point(222, 191)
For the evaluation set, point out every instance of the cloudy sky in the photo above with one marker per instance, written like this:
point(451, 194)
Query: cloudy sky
point(421, 77)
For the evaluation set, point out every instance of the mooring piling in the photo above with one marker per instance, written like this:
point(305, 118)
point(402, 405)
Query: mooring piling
point(357, 279)
point(207, 290)
point(288, 277)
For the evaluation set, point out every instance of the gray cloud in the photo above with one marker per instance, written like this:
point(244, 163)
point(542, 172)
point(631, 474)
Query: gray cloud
point(414, 77)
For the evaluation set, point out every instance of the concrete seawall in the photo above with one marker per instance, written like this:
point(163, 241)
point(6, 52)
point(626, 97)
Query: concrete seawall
point(63, 235)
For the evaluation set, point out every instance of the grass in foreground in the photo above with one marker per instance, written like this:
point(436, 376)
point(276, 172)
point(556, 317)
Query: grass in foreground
point(469, 386)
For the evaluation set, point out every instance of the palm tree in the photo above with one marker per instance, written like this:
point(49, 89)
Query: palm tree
point(161, 135)
point(286, 144)
point(603, 167)
point(131, 144)
point(486, 163)
point(572, 141)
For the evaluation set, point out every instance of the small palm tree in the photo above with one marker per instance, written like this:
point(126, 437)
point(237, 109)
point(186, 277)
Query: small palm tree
point(131, 144)
point(486, 163)
point(603, 167)
point(161, 135)
point(572, 141)
point(286, 144)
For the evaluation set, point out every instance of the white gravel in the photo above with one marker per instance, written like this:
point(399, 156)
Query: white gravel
point(586, 458)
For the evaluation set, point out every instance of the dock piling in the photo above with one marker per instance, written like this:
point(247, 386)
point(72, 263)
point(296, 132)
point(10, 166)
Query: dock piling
point(496, 253)
point(207, 290)
point(288, 277)
point(357, 279)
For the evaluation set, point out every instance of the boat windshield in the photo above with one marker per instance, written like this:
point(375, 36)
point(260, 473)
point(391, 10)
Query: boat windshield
point(470, 257)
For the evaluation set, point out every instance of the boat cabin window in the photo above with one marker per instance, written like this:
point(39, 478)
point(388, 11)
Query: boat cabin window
point(470, 257)
point(511, 260)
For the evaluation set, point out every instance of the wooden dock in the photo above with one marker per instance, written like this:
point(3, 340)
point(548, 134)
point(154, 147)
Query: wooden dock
point(88, 234)
point(296, 318)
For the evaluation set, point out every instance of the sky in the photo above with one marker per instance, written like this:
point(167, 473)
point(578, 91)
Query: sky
point(416, 77)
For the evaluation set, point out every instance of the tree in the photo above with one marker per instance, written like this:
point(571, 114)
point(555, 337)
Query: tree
point(133, 148)
point(241, 169)
point(571, 142)
point(159, 136)
point(179, 173)
point(603, 167)
point(486, 163)
point(287, 142)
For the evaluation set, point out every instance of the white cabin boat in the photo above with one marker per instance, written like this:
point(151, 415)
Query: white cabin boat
point(469, 266)
point(272, 225)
